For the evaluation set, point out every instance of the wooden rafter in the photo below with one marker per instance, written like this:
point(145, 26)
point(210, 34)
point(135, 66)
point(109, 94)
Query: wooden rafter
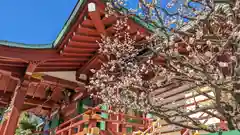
point(87, 31)
point(45, 69)
point(81, 50)
point(27, 107)
point(76, 54)
point(56, 81)
point(107, 21)
point(91, 64)
point(88, 23)
point(96, 19)
point(83, 44)
point(39, 102)
point(70, 32)
point(67, 59)
point(61, 64)
point(82, 38)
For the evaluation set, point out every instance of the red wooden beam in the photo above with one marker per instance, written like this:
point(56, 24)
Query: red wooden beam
point(110, 30)
point(96, 19)
point(25, 55)
point(109, 20)
point(40, 102)
point(85, 69)
point(88, 23)
point(70, 64)
point(17, 72)
point(12, 65)
point(82, 38)
point(45, 69)
point(69, 49)
point(5, 95)
point(76, 54)
point(27, 107)
point(61, 82)
point(13, 59)
point(82, 44)
point(5, 60)
point(67, 59)
point(87, 31)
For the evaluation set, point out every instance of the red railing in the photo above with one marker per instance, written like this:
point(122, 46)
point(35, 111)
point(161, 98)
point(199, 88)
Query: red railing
point(115, 121)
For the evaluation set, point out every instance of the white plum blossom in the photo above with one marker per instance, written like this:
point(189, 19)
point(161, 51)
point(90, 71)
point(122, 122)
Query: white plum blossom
point(205, 53)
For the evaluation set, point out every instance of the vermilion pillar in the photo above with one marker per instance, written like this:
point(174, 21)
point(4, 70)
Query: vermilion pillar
point(18, 100)
point(17, 103)
point(2, 128)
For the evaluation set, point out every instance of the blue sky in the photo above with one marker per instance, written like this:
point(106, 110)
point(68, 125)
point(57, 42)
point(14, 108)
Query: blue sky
point(33, 21)
point(36, 21)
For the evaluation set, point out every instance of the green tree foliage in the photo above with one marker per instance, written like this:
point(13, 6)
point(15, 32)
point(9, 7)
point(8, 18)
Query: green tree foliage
point(27, 124)
point(1, 113)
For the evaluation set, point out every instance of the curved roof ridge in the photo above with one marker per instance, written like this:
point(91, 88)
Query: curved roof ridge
point(68, 22)
point(22, 45)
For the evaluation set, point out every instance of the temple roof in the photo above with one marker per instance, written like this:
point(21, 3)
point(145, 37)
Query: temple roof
point(67, 60)
point(70, 21)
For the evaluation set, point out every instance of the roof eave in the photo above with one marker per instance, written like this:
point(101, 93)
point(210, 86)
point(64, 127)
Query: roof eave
point(69, 22)
point(27, 46)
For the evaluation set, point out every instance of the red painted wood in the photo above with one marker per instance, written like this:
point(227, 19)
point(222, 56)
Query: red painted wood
point(69, 49)
point(68, 59)
point(87, 31)
point(5, 60)
point(60, 82)
point(67, 127)
point(107, 21)
point(184, 131)
point(96, 18)
point(13, 65)
point(57, 94)
point(27, 107)
point(38, 102)
point(2, 127)
point(24, 55)
point(88, 23)
point(92, 123)
point(223, 126)
point(83, 44)
point(79, 18)
point(83, 38)
point(53, 64)
point(91, 63)
point(18, 101)
point(76, 54)
point(110, 30)
point(77, 51)
point(45, 69)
